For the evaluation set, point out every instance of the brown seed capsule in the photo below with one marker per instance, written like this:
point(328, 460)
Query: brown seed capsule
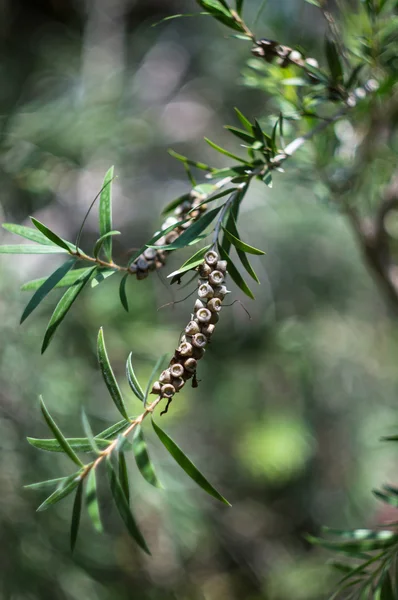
point(220, 292)
point(142, 263)
point(203, 315)
point(150, 253)
point(216, 278)
point(198, 353)
point(176, 370)
point(211, 258)
point(142, 275)
point(178, 383)
point(204, 270)
point(169, 222)
point(152, 265)
point(214, 305)
point(165, 376)
point(133, 268)
point(222, 266)
point(156, 388)
point(171, 237)
point(199, 340)
point(185, 349)
point(190, 365)
point(161, 241)
point(214, 318)
point(168, 390)
point(208, 330)
point(205, 291)
point(192, 328)
point(198, 304)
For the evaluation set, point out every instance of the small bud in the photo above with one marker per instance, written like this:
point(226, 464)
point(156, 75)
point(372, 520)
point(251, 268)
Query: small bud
point(203, 315)
point(176, 370)
point(214, 305)
point(168, 390)
point(192, 328)
point(216, 278)
point(211, 258)
point(190, 365)
point(165, 376)
point(199, 340)
point(205, 291)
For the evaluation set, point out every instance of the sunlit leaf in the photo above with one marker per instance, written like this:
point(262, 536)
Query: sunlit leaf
point(48, 285)
point(89, 433)
point(124, 509)
point(68, 280)
point(76, 514)
point(108, 375)
point(192, 163)
point(59, 435)
point(238, 243)
point(224, 151)
point(132, 379)
point(53, 237)
point(142, 458)
point(29, 249)
point(244, 120)
point(235, 275)
point(219, 10)
point(99, 243)
point(243, 135)
point(179, 16)
point(101, 275)
point(186, 464)
point(28, 233)
point(105, 213)
point(64, 305)
point(92, 501)
point(45, 484)
point(152, 241)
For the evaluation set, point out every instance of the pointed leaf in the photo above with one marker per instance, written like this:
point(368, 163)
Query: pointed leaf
point(132, 379)
point(245, 122)
point(50, 234)
point(101, 275)
point(109, 376)
point(243, 135)
point(194, 230)
point(122, 293)
point(224, 151)
point(239, 6)
point(28, 233)
point(195, 260)
point(44, 484)
point(238, 243)
point(58, 434)
point(76, 514)
point(226, 244)
point(64, 305)
point(92, 501)
point(64, 489)
point(69, 279)
point(123, 475)
point(105, 212)
point(333, 58)
point(186, 464)
point(48, 285)
point(124, 509)
point(192, 163)
point(30, 249)
point(235, 275)
point(174, 203)
point(152, 241)
point(89, 433)
point(152, 378)
point(99, 243)
point(142, 458)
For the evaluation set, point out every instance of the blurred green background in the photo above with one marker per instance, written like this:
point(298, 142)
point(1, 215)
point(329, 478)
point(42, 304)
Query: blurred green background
point(291, 403)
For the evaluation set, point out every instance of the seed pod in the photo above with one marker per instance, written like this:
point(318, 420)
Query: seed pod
point(168, 390)
point(156, 388)
point(133, 268)
point(204, 270)
point(198, 304)
point(198, 353)
point(211, 258)
point(165, 376)
point(214, 305)
point(190, 365)
point(178, 383)
point(199, 340)
point(150, 253)
point(208, 330)
point(205, 291)
point(176, 370)
point(142, 275)
point(151, 265)
point(161, 241)
point(203, 315)
point(214, 318)
point(169, 222)
point(216, 278)
point(192, 328)
point(142, 263)
point(185, 349)
point(171, 237)
point(220, 292)
point(222, 266)
point(294, 56)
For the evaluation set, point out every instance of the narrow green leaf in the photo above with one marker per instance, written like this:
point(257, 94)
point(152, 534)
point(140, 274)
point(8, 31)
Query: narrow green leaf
point(219, 10)
point(387, 591)
point(243, 135)
point(59, 435)
point(235, 275)
point(239, 6)
point(244, 120)
point(224, 151)
point(238, 243)
point(132, 379)
point(64, 305)
point(195, 260)
point(48, 285)
point(375, 540)
point(314, 2)
point(194, 230)
point(333, 58)
point(176, 202)
point(101, 275)
point(226, 244)
point(76, 514)
point(64, 489)
point(179, 16)
point(267, 178)
point(29, 249)
point(89, 433)
point(68, 280)
point(109, 376)
point(186, 464)
point(105, 213)
point(50, 234)
point(99, 243)
point(192, 163)
point(28, 233)
point(122, 293)
point(92, 501)
point(142, 458)
point(152, 378)
point(124, 509)
point(152, 241)
point(44, 484)
point(123, 475)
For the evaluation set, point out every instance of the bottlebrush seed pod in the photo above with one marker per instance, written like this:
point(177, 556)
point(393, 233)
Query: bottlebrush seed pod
point(190, 365)
point(152, 265)
point(165, 376)
point(192, 328)
point(198, 304)
point(220, 292)
point(176, 370)
point(199, 340)
point(198, 353)
point(295, 56)
point(203, 315)
point(133, 268)
point(150, 253)
point(142, 263)
point(168, 390)
point(222, 266)
point(214, 305)
point(171, 237)
point(205, 291)
point(216, 278)
point(178, 383)
point(211, 258)
point(185, 349)
point(161, 241)
point(142, 275)
point(169, 222)
point(208, 330)
point(204, 270)
point(156, 388)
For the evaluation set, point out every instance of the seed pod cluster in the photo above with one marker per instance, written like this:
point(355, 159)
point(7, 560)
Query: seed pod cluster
point(152, 259)
point(271, 51)
point(198, 332)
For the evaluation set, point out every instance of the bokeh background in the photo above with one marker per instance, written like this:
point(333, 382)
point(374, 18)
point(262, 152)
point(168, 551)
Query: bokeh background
point(291, 404)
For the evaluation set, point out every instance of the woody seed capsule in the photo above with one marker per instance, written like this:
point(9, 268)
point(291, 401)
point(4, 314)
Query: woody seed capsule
point(185, 349)
point(176, 370)
point(205, 291)
point(192, 328)
point(208, 330)
point(199, 340)
point(222, 266)
point(204, 270)
point(165, 376)
point(156, 388)
point(220, 292)
point(216, 278)
point(168, 390)
point(203, 315)
point(211, 258)
point(190, 365)
point(214, 305)
point(150, 253)
point(142, 263)
point(178, 383)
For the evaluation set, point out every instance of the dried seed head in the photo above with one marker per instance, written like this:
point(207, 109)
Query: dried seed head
point(220, 292)
point(199, 340)
point(208, 330)
point(211, 258)
point(204, 270)
point(185, 349)
point(142, 263)
point(216, 278)
point(176, 370)
point(214, 305)
point(222, 266)
point(156, 388)
point(190, 365)
point(205, 291)
point(192, 328)
point(165, 376)
point(150, 253)
point(168, 390)
point(178, 383)
point(203, 315)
